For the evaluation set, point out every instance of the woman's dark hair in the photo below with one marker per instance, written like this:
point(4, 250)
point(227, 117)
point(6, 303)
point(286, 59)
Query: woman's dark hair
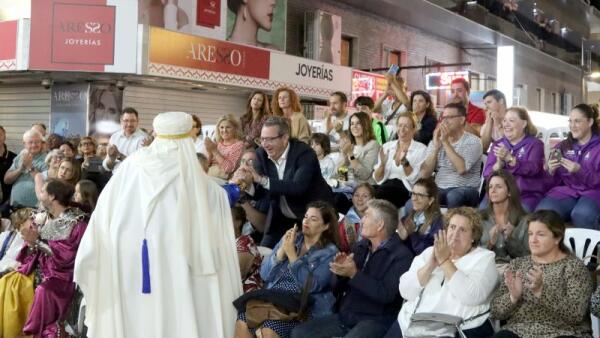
point(433, 211)
point(60, 190)
point(590, 112)
point(70, 145)
point(89, 193)
point(515, 210)
point(364, 101)
point(234, 5)
point(264, 110)
point(198, 122)
point(322, 140)
point(365, 121)
point(553, 222)
point(330, 216)
point(430, 110)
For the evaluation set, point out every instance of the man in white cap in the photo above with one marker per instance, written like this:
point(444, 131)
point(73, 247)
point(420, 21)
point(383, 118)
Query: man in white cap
point(157, 260)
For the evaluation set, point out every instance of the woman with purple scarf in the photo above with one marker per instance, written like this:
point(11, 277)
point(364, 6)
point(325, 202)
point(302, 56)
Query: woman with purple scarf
point(520, 153)
point(50, 255)
point(574, 165)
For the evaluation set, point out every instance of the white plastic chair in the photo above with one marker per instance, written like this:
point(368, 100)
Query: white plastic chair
point(583, 242)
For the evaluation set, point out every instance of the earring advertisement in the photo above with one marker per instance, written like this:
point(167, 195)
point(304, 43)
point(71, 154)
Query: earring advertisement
point(257, 23)
point(68, 108)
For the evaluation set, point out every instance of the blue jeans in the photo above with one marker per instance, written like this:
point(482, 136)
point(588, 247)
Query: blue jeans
point(583, 212)
point(458, 197)
point(331, 326)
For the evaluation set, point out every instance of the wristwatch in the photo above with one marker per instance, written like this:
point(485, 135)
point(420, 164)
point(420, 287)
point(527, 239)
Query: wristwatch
point(352, 158)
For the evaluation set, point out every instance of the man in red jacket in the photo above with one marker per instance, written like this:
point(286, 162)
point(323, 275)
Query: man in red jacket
point(460, 90)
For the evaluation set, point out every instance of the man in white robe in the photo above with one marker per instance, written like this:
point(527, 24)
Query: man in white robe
point(161, 197)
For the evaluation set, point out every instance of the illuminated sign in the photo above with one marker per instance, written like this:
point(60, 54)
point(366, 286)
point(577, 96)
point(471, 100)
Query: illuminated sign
point(443, 80)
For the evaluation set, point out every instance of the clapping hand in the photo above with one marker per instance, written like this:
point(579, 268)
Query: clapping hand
point(382, 157)
point(289, 244)
point(440, 247)
point(501, 152)
point(514, 283)
point(343, 265)
point(535, 281)
point(26, 160)
point(210, 146)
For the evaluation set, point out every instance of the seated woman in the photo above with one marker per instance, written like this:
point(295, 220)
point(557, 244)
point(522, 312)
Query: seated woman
point(520, 153)
point(86, 195)
point(286, 103)
point(50, 252)
point(11, 241)
point(399, 163)
point(547, 293)
point(424, 110)
point(350, 226)
point(257, 112)
point(454, 276)
point(69, 171)
point(360, 154)
point(504, 226)
point(296, 257)
point(249, 257)
point(52, 161)
point(322, 147)
point(225, 154)
point(574, 164)
point(425, 220)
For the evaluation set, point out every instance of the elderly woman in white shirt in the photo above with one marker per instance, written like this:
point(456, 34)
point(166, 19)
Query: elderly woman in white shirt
point(454, 277)
point(399, 163)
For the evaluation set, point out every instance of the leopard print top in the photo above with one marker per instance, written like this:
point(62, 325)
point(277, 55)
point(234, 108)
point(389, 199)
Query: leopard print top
point(562, 309)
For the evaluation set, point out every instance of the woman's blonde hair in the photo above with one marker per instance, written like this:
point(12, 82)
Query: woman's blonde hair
point(474, 221)
point(234, 122)
point(20, 216)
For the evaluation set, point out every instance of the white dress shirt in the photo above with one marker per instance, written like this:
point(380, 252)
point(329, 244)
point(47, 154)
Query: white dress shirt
point(416, 155)
point(280, 165)
point(126, 145)
point(9, 260)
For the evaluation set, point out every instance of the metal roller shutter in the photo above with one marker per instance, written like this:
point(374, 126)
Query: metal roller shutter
point(20, 107)
point(149, 102)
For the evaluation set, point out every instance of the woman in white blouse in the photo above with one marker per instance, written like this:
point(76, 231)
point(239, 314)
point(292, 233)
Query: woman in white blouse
point(11, 241)
point(399, 163)
point(454, 276)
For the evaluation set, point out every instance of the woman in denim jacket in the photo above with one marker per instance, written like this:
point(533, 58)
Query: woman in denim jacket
point(288, 267)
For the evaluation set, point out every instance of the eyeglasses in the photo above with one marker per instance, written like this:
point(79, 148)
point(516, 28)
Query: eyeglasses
point(269, 139)
point(419, 195)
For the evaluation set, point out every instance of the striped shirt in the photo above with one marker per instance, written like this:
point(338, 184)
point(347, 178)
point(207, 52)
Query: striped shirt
point(469, 148)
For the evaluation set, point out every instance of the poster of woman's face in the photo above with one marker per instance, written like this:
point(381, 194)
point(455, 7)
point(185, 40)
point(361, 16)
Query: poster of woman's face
point(106, 103)
point(259, 23)
point(199, 17)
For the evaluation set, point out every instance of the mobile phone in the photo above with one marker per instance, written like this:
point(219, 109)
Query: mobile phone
point(95, 165)
point(556, 154)
point(393, 69)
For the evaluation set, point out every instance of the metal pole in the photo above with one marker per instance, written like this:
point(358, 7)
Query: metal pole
point(584, 93)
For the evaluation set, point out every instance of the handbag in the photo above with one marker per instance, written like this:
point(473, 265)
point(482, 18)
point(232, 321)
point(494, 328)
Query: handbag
point(258, 311)
point(431, 324)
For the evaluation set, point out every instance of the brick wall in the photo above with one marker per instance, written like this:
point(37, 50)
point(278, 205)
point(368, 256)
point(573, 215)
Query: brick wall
point(372, 33)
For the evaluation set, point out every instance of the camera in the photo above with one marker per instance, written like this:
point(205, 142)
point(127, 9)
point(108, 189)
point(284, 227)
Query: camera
point(46, 83)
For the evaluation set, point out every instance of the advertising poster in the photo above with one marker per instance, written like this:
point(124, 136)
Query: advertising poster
point(198, 17)
point(68, 110)
point(83, 35)
point(8, 47)
point(367, 84)
point(105, 106)
point(257, 23)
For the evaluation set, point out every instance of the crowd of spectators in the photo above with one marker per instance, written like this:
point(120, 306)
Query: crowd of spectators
point(388, 213)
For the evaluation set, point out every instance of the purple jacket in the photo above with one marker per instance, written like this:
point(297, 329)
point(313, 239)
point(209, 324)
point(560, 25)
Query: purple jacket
point(529, 170)
point(585, 182)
